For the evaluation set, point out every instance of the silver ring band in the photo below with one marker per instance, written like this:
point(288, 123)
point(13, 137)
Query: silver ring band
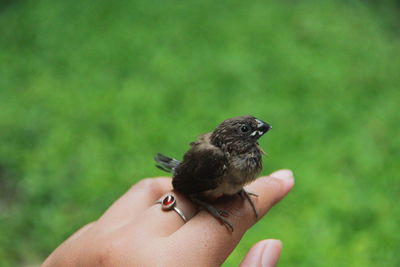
point(180, 213)
point(169, 203)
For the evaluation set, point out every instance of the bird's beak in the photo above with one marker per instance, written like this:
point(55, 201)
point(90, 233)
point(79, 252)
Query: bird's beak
point(262, 127)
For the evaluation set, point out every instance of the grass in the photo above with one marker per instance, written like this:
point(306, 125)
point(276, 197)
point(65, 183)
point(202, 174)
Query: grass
point(90, 91)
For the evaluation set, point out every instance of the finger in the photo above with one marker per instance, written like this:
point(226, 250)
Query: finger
point(265, 253)
point(270, 189)
point(161, 223)
point(135, 201)
point(215, 242)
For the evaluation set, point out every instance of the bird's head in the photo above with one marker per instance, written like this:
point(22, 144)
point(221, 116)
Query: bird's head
point(239, 133)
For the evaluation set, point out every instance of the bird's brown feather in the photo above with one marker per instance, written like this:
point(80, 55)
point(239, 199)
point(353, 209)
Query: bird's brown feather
point(201, 167)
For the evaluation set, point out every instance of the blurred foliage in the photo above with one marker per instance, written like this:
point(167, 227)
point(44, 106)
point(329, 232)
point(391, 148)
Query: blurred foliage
point(91, 90)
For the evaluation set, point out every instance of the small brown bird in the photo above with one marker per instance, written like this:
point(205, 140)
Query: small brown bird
point(219, 163)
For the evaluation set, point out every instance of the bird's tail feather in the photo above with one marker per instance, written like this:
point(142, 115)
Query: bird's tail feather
point(166, 163)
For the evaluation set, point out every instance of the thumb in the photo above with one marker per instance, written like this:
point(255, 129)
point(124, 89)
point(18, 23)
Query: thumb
point(264, 253)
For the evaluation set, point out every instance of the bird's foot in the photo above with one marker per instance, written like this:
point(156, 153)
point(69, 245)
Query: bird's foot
point(246, 195)
point(251, 193)
point(223, 213)
point(218, 214)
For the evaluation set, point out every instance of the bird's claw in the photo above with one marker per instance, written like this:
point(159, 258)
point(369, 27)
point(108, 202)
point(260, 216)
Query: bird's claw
point(244, 194)
point(218, 214)
point(251, 194)
point(223, 213)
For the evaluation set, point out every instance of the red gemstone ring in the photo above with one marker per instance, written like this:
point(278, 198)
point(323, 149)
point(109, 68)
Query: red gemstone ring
point(169, 203)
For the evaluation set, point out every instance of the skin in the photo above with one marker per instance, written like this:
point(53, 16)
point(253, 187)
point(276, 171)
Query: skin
point(136, 232)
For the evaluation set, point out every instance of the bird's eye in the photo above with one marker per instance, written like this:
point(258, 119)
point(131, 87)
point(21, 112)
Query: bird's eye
point(245, 129)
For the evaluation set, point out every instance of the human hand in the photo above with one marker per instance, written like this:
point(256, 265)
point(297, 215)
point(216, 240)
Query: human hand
point(136, 232)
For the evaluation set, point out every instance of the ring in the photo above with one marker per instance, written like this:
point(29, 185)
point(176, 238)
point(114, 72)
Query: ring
point(169, 203)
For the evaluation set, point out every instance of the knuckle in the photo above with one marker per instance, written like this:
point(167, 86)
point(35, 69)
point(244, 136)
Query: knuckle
point(152, 185)
point(147, 184)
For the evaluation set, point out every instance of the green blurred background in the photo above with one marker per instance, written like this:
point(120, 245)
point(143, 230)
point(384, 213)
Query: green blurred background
point(91, 90)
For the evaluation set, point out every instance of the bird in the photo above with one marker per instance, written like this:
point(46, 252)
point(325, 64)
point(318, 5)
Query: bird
point(219, 163)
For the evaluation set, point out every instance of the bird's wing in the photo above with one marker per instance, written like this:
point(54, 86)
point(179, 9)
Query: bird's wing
point(200, 169)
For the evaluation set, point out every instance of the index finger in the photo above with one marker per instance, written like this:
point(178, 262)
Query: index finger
point(204, 235)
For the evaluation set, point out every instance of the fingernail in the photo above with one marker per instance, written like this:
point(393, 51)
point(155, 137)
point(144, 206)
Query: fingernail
point(271, 253)
point(256, 253)
point(283, 174)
